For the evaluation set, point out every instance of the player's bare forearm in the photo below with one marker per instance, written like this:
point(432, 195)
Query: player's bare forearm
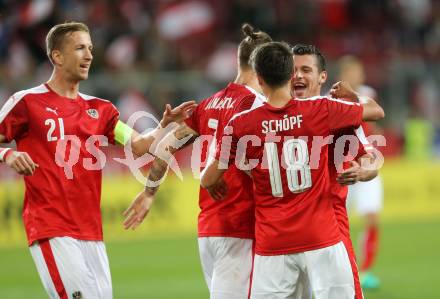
point(172, 118)
point(160, 166)
point(140, 144)
point(2, 138)
point(157, 172)
point(183, 131)
point(211, 174)
point(140, 207)
point(170, 139)
point(372, 111)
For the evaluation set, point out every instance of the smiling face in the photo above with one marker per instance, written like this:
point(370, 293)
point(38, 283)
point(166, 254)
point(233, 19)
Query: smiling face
point(74, 57)
point(307, 78)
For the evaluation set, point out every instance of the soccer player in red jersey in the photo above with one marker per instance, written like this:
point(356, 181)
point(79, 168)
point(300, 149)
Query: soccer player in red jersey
point(61, 211)
point(309, 76)
point(226, 228)
point(297, 235)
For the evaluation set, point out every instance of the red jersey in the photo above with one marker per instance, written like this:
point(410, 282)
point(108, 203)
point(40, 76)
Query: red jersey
point(338, 193)
point(55, 205)
point(293, 213)
point(234, 215)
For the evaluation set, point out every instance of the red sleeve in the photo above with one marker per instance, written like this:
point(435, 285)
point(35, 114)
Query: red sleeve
point(361, 151)
point(245, 104)
point(364, 145)
point(225, 152)
point(193, 120)
point(113, 117)
point(342, 114)
point(14, 119)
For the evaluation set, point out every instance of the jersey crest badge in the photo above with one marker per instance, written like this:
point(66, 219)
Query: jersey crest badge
point(77, 295)
point(93, 113)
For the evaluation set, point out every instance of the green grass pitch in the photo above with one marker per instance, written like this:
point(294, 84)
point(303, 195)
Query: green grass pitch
point(408, 266)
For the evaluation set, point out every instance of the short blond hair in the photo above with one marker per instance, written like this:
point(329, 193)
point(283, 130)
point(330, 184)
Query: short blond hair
point(56, 35)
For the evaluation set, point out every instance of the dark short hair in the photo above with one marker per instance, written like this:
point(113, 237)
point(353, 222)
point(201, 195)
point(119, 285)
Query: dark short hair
point(57, 33)
point(251, 40)
point(310, 50)
point(273, 62)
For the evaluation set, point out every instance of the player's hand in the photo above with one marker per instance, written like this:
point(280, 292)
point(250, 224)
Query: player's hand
point(138, 210)
point(343, 90)
point(21, 162)
point(219, 190)
point(178, 114)
point(351, 175)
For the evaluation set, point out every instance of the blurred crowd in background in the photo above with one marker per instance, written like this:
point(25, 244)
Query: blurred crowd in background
point(150, 52)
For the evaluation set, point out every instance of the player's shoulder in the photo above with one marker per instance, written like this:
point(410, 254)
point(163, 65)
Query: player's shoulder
point(322, 100)
point(246, 94)
point(229, 97)
point(312, 99)
point(96, 101)
point(253, 98)
point(19, 95)
point(245, 122)
point(18, 99)
point(316, 100)
point(90, 98)
point(246, 116)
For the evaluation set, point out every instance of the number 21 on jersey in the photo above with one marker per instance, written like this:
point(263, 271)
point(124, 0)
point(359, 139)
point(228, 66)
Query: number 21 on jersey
point(296, 158)
point(52, 123)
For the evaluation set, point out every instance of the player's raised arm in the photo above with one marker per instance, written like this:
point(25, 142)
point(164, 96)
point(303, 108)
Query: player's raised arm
point(372, 111)
point(160, 166)
point(14, 122)
point(141, 205)
point(141, 144)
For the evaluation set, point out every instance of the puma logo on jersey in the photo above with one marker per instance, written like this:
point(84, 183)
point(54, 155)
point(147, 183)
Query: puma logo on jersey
point(93, 113)
point(52, 110)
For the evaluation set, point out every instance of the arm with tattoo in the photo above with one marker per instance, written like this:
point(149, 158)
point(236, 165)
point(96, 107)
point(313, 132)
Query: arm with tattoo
point(141, 205)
